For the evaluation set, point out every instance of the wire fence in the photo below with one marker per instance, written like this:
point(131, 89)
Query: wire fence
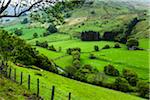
point(32, 84)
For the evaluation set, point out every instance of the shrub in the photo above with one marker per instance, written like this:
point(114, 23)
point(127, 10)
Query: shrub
point(67, 15)
point(76, 63)
point(96, 48)
point(51, 48)
point(70, 50)
point(35, 35)
point(75, 55)
point(18, 32)
point(122, 84)
point(46, 34)
point(92, 56)
point(84, 71)
point(110, 70)
point(42, 44)
point(92, 12)
point(117, 45)
point(130, 76)
point(143, 89)
point(132, 42)
point(59, 49)
point(106, 47)
point(25, 21)
point(52, 28)
point(70, 70)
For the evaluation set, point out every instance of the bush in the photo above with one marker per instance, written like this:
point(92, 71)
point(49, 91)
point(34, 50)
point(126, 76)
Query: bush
point(35, 35)
point(106, 47)
point(122, 84)
point(117, 45)
point(25, 21)
point(96, 48)
point(110, 70)
point(143, 89)
point(130, 76)
point(46, 34)
point(76, 63)
point(18, 32)
point(70, 70)
point(52, 48)
point(59, 49)
point(70, 50)
point(92, 12)
point(52, 29)
point(92, 56)
point(132, 42)
point(42, 44)
point(75, 55)
point(68, 15)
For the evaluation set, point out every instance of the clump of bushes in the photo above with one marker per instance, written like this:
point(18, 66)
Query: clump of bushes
point(117, 45)
point(143, 89)
point(106, 46)
point(132, 42)
point(23, 53)
point(42, 44)
point(45, 45)
point(130, 76)
point(111, 70)
point(75, 55)
point(18, 32)
point(68, 15)
point(69, 50)
point(76, 63)
point(35, 35)
point(25, 21)
point(122, 84)
point(96, 48)
point(93, 12)
point(92, 56)
point(52, 48)
point(83, 73)
point(52, 28)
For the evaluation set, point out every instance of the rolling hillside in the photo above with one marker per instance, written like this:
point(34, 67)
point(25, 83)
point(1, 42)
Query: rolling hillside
point(102, 16)
point(79, 90)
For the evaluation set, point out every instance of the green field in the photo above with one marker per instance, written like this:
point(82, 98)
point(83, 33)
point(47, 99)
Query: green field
point(100, 17)
point(79, 90)
point(11, 91)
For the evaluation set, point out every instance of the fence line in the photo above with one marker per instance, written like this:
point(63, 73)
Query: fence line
point(8, 74)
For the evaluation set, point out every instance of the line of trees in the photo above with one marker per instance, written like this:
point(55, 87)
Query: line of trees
point(16, 50)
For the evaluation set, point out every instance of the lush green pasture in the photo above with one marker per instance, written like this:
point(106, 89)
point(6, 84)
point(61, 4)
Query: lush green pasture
point(50, 54)
point(51, 38)
point(79, 90)
point(134, 60)
point(121, 58)
point(144, 43)
point(28, 32)
point(85, 46)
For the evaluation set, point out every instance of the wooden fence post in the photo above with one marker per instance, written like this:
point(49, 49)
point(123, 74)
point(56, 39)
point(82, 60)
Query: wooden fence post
point(38, 87)
point(69, 98)
point(28, 82)
point(9, 76)
point(6, 72)
point(53, 91)
point(15, 75)
point(21, 77)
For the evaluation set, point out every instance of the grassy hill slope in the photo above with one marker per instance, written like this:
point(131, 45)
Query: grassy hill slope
point(12, 91)
point(79, 90)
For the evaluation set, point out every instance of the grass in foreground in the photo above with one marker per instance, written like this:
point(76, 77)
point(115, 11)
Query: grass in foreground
point(79, 90)
point(10, 90)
